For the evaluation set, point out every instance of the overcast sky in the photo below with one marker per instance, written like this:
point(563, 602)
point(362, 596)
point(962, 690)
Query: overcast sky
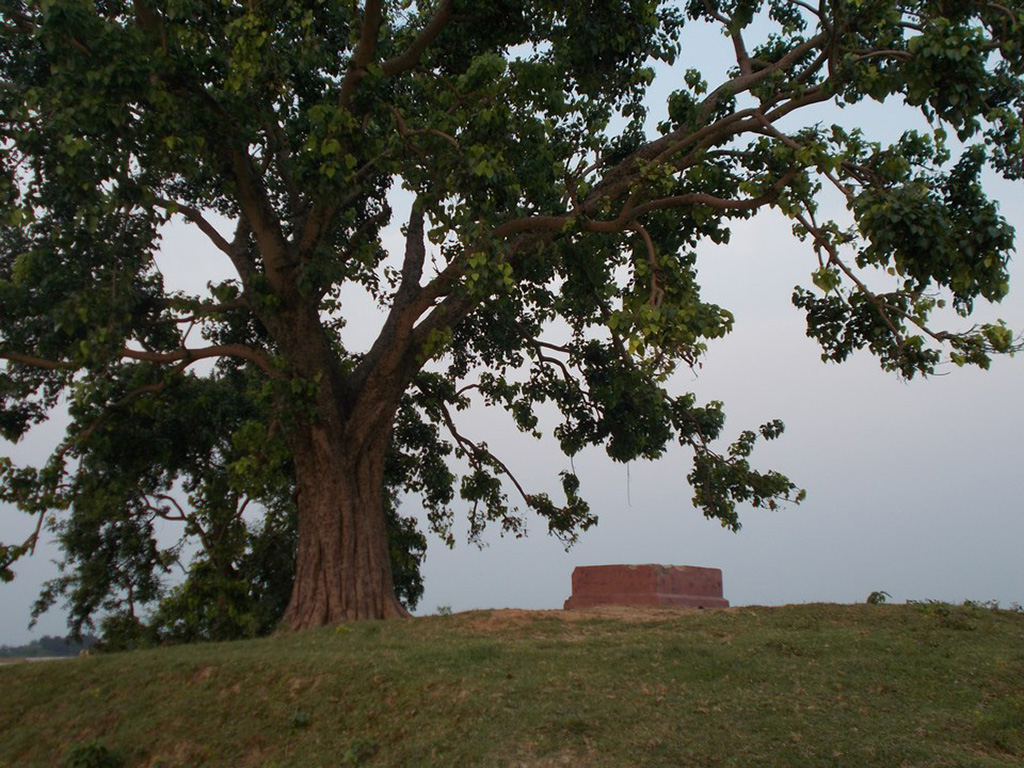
point(913, 488)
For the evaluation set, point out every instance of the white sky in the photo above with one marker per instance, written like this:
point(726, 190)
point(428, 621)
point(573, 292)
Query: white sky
point(913, 488)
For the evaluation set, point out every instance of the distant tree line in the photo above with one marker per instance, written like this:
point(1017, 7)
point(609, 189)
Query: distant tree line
point(49, 645)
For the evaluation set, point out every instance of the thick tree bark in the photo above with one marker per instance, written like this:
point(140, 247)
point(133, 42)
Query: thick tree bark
point(343, 567)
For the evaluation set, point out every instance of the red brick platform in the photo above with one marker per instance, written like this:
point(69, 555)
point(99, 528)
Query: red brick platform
point(673, 585)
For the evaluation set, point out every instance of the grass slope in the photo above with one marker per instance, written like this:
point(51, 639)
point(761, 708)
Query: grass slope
point(811, 685)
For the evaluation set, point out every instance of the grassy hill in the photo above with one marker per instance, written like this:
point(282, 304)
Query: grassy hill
point(810, 685)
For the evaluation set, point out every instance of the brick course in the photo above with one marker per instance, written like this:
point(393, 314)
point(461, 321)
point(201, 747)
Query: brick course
point(671, 585)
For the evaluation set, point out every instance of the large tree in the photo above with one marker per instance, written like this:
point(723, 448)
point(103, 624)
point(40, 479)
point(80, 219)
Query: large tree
point(549, 247)
point(183, 483)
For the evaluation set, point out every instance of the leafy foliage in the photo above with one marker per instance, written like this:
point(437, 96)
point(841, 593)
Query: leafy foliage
point(92, 754)
point(550, 244)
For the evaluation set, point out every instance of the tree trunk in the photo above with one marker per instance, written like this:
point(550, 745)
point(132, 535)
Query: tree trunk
point(343, 564)
point(343, 567)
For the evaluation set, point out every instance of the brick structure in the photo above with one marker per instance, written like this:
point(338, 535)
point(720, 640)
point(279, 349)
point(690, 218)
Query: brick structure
point(670, 585)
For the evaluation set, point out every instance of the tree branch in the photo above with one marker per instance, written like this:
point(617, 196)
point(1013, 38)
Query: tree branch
point(148, 19)
point(477, 454)
point(657, 293)
point(186, 356)
point(393, 343)
point(415, 255)
point(744, 82)
point(277, 141)
point(823, 242)
point(742, 58)
point(365, 50)
point(630, 213)
point(317, 222)
point(183, 515)
point(408, 59)
point(36, 362)
point(30, 543)
point(251, 194)
point(406, 132)
point(539, 347)
point(193, 215)
point(189, 356)
point(199, 311)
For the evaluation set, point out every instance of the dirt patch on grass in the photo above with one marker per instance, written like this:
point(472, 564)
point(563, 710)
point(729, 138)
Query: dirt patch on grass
point(179, 753)
point(299, 687)
point(504, 619)
point(638, 613)
point(526, 757)
point(203, 674)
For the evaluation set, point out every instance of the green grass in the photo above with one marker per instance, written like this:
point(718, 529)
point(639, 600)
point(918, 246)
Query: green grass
point(812, 685)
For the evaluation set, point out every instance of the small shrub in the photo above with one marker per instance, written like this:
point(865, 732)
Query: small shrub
point(301, 719)
point(947, 615)
point(444, 610)
point(878, 598)
point(982, 605)
point(359, 752)
point(92, 754)
point(932, 608)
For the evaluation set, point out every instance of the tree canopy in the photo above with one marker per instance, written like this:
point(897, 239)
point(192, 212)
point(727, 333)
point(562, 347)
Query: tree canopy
point(549, 255)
